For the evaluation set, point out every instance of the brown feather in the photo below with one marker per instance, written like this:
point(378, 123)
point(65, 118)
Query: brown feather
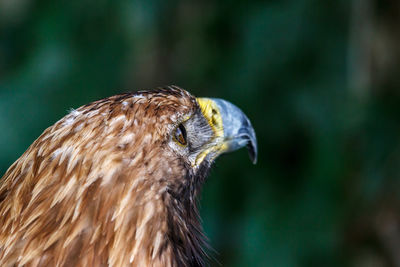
point(101, 188)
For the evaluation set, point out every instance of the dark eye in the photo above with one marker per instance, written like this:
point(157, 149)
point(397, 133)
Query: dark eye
point(180, 135)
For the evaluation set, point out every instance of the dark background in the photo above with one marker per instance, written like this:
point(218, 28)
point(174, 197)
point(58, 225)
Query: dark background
point(319, 80)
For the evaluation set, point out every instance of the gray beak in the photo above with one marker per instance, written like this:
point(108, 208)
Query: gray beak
point(238, 131)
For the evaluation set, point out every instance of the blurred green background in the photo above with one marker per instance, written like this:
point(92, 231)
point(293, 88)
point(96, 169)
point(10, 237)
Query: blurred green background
point(318, 79)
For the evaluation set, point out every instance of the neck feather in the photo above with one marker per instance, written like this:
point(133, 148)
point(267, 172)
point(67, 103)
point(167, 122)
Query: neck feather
point(185, 231)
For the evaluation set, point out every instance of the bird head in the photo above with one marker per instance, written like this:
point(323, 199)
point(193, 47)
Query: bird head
point(213, 127)
point(117, 179)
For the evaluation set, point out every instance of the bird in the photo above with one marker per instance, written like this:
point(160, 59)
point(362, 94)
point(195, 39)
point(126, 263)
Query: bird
point(116, 182)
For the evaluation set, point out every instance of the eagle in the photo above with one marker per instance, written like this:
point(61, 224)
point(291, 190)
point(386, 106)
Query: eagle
point(115, 182)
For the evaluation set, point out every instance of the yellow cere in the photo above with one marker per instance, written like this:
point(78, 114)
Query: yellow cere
point(213, 116)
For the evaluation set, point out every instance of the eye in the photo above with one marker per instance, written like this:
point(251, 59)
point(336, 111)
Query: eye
point(180, 135)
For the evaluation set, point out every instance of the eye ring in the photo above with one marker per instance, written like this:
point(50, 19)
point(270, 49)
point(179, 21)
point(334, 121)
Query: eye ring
point(180, 135)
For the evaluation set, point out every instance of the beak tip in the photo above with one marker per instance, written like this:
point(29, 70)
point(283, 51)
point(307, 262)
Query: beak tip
point(252, 148)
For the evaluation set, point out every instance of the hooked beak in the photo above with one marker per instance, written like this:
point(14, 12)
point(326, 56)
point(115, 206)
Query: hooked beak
point(236, 130)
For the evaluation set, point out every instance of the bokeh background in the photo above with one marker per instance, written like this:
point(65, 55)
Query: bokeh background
point(319, 80)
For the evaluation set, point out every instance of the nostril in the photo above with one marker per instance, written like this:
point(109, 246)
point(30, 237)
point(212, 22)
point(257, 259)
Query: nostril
point(214, 121)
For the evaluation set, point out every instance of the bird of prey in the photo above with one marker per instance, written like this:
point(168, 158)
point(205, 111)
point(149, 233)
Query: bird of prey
point(114, 182)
